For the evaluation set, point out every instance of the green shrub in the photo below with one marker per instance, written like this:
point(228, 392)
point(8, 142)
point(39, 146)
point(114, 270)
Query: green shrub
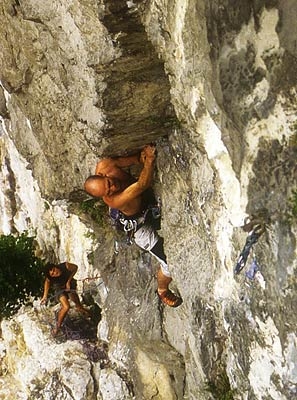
point(220, 387)
point(95, 208)
point(20, 272)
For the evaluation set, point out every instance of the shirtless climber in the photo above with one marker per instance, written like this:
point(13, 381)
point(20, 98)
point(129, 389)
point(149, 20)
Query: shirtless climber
point(60, 276)
point(120, 190)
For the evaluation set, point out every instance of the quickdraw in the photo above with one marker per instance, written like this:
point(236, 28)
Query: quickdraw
point(129, 224)
point(258, 228)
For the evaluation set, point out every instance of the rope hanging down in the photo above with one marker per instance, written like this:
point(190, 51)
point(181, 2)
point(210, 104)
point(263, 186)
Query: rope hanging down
point(253, 236)
point(80, 329)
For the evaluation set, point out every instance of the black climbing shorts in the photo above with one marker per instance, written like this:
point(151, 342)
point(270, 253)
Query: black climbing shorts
point(60, 290)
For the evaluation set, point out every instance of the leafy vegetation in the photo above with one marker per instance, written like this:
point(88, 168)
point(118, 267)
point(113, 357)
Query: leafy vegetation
point(20, 272)
point(95, 208)
point(220, 387)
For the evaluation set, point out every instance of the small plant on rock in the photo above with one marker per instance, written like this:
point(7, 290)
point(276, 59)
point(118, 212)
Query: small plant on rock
point(95, 208)
point(220, 387)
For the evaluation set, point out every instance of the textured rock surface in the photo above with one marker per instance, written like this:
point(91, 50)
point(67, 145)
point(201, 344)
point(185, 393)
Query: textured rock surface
point(214, 84)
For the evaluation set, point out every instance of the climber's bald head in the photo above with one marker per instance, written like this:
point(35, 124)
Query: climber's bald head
point(95, 186)
point(102, 186)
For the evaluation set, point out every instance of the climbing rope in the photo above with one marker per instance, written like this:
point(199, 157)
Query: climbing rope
point(88, 279)
point(79, 329)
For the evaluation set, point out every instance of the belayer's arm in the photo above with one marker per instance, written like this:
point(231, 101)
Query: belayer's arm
point(47, 285)
point(73, 268)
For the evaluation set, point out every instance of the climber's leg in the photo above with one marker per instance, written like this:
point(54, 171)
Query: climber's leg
point(65, 306)
point(148, 239)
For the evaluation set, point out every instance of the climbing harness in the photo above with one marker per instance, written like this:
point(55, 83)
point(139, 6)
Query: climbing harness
point(129, 225)
point(258, 228)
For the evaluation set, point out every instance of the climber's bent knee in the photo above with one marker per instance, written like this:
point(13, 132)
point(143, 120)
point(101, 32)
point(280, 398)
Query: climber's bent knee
point(158, 252)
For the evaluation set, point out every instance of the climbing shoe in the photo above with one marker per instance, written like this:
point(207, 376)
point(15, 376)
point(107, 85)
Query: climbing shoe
point(170, 299)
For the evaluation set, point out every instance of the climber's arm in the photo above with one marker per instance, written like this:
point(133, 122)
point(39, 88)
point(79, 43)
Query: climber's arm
point(108, 166)
point(47, 285)
point(73, 268)
point(136, 189)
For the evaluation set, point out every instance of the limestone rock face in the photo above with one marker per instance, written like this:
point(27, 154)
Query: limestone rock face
point(213, 84)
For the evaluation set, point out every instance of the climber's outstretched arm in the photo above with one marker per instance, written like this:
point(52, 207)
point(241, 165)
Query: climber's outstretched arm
point(107, 166)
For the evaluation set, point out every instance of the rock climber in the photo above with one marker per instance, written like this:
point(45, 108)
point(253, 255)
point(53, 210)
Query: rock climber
point(121, 191)
point(60, 277)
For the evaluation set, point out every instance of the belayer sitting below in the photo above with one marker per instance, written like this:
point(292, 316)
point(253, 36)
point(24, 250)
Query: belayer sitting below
point(119, 190)
point(60, 276)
